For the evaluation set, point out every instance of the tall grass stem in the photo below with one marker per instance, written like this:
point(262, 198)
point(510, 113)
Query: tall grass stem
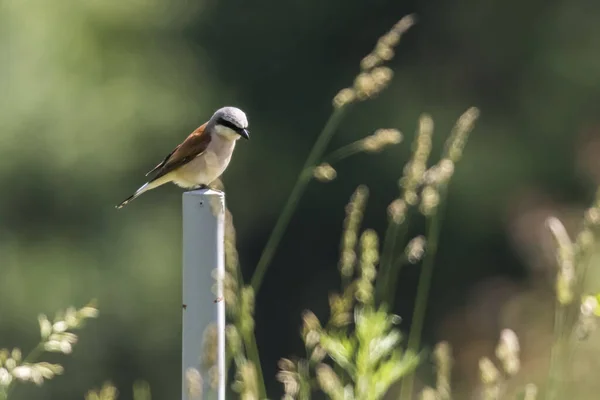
point(414, 337)
point(304, 178)
point(253, 355)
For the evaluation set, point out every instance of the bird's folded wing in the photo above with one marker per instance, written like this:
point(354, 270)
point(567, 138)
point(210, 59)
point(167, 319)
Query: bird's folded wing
point(194, 145)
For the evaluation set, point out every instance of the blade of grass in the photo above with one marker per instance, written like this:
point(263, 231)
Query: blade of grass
point(556, 353)
point(282, 222)
point(251, 348)
point(387, 254)
point(390, 269)
point(565, 320)
point(344, 152)
point(302, 181)
point(409, 184)
point(253, 355)
point(414, 337)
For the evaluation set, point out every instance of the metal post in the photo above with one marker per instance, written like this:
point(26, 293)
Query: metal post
point(203, 253)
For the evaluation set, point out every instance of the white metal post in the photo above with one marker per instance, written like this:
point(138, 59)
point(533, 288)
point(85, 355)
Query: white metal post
point(203, 253)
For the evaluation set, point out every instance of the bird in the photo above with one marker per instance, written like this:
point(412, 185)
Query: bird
point(202, 157)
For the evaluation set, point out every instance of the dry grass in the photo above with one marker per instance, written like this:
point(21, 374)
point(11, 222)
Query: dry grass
point(359, 352)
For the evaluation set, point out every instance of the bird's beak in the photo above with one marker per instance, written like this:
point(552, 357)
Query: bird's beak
point(244, 133)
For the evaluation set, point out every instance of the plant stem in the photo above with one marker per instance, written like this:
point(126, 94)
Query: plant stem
point(344, 152)
point(283, 221)
point(387, 254)
point(575, 310)
point(565, 320)
point(250, 346)
point(229, 357)
point(386, 285)
point(253, 355)
point(302, 181)
point(556, 352)
point(35, 353)
point(414, 337)
point(396, 265)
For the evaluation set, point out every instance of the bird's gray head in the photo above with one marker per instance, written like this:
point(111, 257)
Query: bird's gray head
point(230, 122)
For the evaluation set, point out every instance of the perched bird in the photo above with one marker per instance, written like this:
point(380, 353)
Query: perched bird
point(202, 156)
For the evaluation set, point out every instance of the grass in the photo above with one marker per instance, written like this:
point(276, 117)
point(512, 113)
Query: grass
point(360, 352)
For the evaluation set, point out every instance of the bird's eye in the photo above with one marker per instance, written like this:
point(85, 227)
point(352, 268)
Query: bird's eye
point(228, 124)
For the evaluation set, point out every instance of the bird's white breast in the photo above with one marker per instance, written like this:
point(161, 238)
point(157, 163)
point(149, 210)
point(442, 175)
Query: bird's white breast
point(208, 166)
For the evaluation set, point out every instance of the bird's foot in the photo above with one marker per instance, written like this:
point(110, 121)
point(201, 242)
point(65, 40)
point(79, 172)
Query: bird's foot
point(206, 187)
point(201, 186)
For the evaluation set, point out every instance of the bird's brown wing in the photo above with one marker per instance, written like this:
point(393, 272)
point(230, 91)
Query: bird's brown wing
point(194, 145)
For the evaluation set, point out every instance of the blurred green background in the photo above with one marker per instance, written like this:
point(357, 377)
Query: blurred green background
point(93, 93)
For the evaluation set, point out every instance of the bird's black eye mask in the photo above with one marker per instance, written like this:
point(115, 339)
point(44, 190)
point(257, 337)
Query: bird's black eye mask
point(233, 127)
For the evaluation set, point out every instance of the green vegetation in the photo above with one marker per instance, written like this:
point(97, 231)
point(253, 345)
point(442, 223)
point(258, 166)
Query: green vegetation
point(361, 349)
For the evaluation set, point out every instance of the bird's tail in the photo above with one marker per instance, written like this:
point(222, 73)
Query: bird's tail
point(144, 188)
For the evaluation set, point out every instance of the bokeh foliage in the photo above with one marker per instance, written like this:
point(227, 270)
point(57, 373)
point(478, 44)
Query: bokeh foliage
point(93, 93)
